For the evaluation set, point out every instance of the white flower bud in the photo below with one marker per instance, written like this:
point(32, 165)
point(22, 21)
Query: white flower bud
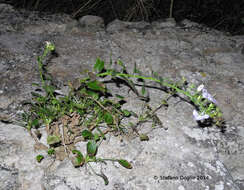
point(198, 117)
point(199, 89)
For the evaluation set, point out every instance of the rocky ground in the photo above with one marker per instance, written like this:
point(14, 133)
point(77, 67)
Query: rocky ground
point(183, 157)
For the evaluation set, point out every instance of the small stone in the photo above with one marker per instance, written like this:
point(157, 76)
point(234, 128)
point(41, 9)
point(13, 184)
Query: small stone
point(168, 23)
point(94, 22)
point(117, 26)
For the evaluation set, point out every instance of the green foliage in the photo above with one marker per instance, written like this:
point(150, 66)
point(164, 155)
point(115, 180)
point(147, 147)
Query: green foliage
point(96, 85)
point(99, 66)
point(144, 137)
point(125, 164)
point(126, 113)
point(51, 151)
point(96, 111)
point(87, 134)
point(91, 148)
point(39, 158)
point(53, 139)
point(79, 158)
point(108, 118)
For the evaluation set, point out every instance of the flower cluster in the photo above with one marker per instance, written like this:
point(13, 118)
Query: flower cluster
point(205, 94)
point(207, 105)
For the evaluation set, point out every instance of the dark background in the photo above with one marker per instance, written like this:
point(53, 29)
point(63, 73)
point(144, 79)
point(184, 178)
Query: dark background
point(225, 15)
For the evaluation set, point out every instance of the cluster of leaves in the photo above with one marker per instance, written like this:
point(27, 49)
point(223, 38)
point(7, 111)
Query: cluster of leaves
point(79, 160)
point(90, 99)
point(97, 112)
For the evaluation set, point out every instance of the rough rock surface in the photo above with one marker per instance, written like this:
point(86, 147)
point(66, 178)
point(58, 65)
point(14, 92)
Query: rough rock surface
point(183, 157)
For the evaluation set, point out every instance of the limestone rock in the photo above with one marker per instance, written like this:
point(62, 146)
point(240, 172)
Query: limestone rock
point(183, 157)
point(170, 22)
point(93, 22)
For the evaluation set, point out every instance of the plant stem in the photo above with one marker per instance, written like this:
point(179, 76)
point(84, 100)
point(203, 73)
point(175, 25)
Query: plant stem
point(40, 71)
point(152, 79)
point(106, 159)
point(40, 65)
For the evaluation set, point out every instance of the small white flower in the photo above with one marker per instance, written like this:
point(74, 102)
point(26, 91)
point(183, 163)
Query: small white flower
point(59, 92)
point(48, 43)
point(208, 96)
point(205, 94)
point(198, 117)
point(199, 89)
point(50, 46)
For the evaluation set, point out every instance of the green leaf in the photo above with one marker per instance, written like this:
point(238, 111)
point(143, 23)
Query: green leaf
point(50, 151)
point(101, 133)
point(100, 116)
point(39, 59)
point(110, 61)
point(161, 79)
point(143, 90)
point(55, 101)
point(39, 158)
point(79, 106)
point(53, 139)
point(93, 94)
point(120, 97)
point(35, 123)
point(99, 66)
point(135, 70)
point(155, 74)
point(125, 164)
point(35, 84)
point(144, 137)
point(126, 113)
point(83, 92)
point(192, 86)
point(79, 159)
point(133, 114)
point(96, 85)
point(165, 103)
point(113, 73)
point(121, 64)
point(96, 137)
point(108, 118)
point(36, 94)
point(91, 148)
point(87, 134)
point(117, 105)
